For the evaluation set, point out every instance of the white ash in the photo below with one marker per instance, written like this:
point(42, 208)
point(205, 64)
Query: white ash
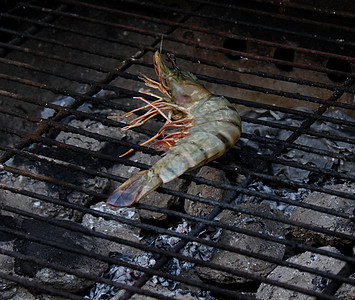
point(172, 267)
point(166, 241)
point(191, 249)
point(287, 194)
point(105, 94)
point(201, 251)
point(61, 100)
point(121, 274)
point(203, 295)
point(295, 155)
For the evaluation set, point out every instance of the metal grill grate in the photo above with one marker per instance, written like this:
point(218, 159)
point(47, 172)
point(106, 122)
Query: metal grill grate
point(66, 65)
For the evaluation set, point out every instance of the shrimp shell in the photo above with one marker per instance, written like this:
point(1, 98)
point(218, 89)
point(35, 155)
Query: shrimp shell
point(206, 127)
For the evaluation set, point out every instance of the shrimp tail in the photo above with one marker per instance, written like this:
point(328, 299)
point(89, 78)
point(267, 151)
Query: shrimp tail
point(135, 188)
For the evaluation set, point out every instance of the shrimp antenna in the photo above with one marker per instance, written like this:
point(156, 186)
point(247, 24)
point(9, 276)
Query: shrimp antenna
point(172, 58)
point(161, 43)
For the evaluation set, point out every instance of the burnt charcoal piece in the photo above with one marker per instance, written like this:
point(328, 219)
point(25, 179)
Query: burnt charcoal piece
point(306, 280)
point(48, 232)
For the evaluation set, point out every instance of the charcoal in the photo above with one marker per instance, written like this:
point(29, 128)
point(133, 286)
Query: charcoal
point(205, 191)
point(57, 256)
point(299, 278)
point(246, 242)
point(114, 228)
point(323, 220)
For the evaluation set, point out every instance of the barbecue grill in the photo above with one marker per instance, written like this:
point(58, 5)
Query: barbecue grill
point(273, 218)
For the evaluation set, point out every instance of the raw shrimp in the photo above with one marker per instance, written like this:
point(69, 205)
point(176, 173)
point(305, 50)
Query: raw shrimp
point(205, 127)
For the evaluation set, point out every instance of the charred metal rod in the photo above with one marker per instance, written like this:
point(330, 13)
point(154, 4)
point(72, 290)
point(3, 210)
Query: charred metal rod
point(63, 113)
point(51, 142)
point(230, 20)
point(203, 77)
point(203, 45)
point(32, 30)
point(91, 254)
point(276, 142)
point(81, 274)
point(154, 271)
point(96, 136)
point(301, 166)
point(115, 261)
point(221, 33)
point(79, 114)
point(159, 230)
point(300, 81)
point(313, 9)
point(31, 284)
point(282, 16)
point(114, 88)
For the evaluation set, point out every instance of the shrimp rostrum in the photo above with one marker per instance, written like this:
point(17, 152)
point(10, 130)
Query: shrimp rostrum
point(204, 127)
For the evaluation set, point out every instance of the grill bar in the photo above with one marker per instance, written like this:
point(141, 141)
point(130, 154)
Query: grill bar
point(39, 286)
point(123, 263)
point(301, 130)
point(278, 16)
point(232, 21)
point(204, 200)
point(234, 100)
point(249, 120)
point(201, 180)
point(164, 231)
point(196, 179)
point(169, 253)
point(201, 29)
point(312, 8)
point(120, 262)
point(31, 30)
point(311, 187)
point(62, 113)
point(90, 254)
point(265, 123)
point(92, 91)
point(225, 186)
point(195, 60)
point(47, 264)
point(147, 150)
point(96, 136)
point(191, 43)
point(304, 148)
point(297, 133)
point(65, 45)
point(267, 91)
point(93, 52)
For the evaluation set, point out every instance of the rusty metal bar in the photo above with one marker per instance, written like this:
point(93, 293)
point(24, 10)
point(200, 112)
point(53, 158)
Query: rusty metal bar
point(198, 44)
